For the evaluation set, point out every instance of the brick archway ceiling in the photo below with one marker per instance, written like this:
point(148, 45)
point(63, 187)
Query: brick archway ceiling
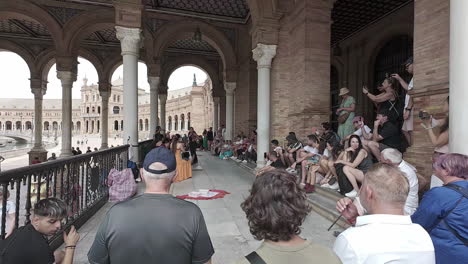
point(23, 28)
point(225, 8)
point(350, 16)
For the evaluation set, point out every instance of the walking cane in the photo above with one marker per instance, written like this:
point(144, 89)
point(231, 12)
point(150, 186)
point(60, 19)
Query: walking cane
point(334, 222)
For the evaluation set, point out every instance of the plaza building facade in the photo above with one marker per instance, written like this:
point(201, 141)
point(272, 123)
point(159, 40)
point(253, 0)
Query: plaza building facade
point(188, 106)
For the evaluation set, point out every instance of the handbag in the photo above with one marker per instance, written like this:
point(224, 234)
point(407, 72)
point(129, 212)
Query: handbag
point(342, 118)
point(185, 155)
point(254, 258)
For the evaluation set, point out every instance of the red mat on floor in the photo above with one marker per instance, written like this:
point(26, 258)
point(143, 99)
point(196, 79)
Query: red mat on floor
point(220, 194)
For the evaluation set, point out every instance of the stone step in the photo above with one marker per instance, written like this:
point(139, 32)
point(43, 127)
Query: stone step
point(323, 200)
point(326, 207)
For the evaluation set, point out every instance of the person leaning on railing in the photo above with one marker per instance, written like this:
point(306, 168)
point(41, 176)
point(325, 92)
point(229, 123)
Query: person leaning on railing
point(28, 244)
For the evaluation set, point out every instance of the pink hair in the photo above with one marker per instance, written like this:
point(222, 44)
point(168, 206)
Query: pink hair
point(455, 164)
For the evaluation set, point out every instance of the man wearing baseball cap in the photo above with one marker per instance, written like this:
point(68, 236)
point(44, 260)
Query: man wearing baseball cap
point(154, 227)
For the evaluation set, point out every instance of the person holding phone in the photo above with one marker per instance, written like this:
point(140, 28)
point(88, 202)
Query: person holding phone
point(441, 139)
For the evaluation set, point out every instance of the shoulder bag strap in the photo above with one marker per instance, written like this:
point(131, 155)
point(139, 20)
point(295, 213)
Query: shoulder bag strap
point(254, 258)
point(464, 193)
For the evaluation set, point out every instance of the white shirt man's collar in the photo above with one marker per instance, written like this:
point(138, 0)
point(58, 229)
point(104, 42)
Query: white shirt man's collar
point(383, 219)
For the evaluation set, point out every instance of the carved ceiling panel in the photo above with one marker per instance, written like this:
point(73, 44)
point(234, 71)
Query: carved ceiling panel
point(24, 27)
point(226, 8)
point(104, 36)
point(190, 44)
point(63, 14)
point(349, 16)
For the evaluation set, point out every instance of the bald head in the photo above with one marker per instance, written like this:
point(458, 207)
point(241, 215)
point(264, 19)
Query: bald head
point(154, 177)
point(388, 186)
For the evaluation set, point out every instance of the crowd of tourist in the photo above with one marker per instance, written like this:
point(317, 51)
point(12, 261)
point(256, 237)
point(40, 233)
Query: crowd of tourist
point(390, 222)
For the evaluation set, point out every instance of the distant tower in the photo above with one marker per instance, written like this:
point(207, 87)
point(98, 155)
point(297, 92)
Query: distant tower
point(85, 81)
point(194, 80)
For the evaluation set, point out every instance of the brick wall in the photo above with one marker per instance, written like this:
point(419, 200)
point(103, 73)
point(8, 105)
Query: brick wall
point(301, 70)
point(431, 73)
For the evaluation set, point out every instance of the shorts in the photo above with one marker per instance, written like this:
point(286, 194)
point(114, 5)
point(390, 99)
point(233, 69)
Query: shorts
point(314, 159)
point(383, 146)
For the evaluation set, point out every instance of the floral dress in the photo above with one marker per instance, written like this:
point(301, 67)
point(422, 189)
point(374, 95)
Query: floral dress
point(347, 127)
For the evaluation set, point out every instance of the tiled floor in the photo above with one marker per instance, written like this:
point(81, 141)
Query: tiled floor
point(225, 220)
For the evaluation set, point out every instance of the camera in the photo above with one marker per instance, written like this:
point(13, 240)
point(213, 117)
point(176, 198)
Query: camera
point(424, 115)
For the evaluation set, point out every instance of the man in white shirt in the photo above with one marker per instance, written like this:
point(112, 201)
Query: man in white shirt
point(361, 129)
point(394, 157)
point(385, 234)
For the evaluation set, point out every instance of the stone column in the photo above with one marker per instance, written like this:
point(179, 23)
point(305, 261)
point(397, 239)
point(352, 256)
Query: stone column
point(67, 78)
point(162, 102)
point(105, 117)
point(215, 113)
point(130, 44)
point(458, 62)
point(230, 88)
point(38, 149)
point(263, 55)
point(154, 84)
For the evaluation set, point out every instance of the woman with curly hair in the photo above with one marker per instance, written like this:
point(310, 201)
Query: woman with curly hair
point(275, 209)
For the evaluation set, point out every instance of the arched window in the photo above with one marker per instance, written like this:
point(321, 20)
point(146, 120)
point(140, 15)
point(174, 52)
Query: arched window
point(121, 125)
point(176, 123)
point(87, 126)
point(114, 97)
point(118, 98)
point(55, 125)
point(28, 125)
point(92, 126)
point(46, 125)
point(146, 125)
point(87, 98)
point(116, 125)
point(87, 110)
point(169, 128)
point(141, 124)
point(98, 126)
point(98, 109)
point(116, 110)
point(8, 125)
point(78, 126)
point(182, 122)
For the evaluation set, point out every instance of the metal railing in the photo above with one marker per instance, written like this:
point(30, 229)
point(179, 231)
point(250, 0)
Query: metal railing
point(80, 181)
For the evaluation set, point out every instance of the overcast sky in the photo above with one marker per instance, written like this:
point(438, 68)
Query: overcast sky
point(14, 77)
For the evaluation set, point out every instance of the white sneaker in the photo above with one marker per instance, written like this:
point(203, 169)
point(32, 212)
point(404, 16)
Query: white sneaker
point(326, 185)
point(334, 186)
point(244, 161)
point(225, 158)
point(233, 158)
point(352, 194)
point(238, 160)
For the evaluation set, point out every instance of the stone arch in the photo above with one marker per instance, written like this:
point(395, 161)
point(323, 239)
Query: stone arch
point(176, 123)
point(95, 61)
point(197, 61)
point(27, 56)
point(169, 121)
point(83, 25)
point(27, 10)
point(217, 39)
point(182, 122)
point(46, 125)
point(8, 125)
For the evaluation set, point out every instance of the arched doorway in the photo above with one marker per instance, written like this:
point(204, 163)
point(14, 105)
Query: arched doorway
point(8, 125)
point(116, 125)
point(169, 122)
point(391, 59)
point(334, 98)
point(176, 123)
point(18, 125)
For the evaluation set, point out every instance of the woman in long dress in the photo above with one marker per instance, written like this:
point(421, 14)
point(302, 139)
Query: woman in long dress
point(348, 105)
point(184, 166)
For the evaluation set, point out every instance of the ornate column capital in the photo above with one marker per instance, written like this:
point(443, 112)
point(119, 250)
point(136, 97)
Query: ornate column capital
point(163, 98)
point(264, 54)
point(130, 40)
point(153, 82)
point(66, 77)
point(104, 88)
point(230, 87)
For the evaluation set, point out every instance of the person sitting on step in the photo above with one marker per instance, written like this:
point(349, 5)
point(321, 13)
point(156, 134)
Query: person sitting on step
point(357, 161)
point(307, 156)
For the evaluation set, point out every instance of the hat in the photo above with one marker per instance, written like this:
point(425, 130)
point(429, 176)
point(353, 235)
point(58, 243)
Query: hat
point(357, 119)
point(343, 91)
point(409, 61)
point(161, 155)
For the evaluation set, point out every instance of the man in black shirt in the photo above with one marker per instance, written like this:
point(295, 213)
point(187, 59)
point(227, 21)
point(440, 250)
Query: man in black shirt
point(154, 227)
point(385, 135)
point(29, 245)
point(210, 137)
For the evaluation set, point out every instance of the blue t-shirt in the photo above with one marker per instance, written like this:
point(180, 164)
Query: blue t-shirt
point(435, 204)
